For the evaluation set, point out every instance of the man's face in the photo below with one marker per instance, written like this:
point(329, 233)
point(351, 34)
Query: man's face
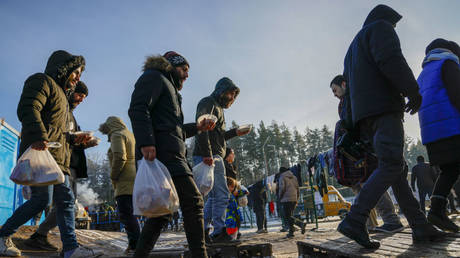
point(78, 98)
point(337, 90)
point(229, 98)
point(181, 74)
point(74, 78)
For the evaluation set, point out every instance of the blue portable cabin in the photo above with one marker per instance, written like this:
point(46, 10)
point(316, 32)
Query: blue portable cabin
point(11, 197)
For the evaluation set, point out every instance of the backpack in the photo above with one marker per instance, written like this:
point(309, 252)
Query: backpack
point(353, 162)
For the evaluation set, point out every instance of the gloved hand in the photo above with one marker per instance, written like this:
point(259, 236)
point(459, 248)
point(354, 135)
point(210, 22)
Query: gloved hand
point(413, 105)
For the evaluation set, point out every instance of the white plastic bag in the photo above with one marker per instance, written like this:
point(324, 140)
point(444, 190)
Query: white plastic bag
point(154, 193)
point(204, 177)
point(37, 168)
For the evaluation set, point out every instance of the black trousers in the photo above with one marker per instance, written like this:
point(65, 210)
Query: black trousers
point(259, 210)
point(386, 134)
point(125, 210)
point(191, 205)
point(446, 180)
point(288, 208)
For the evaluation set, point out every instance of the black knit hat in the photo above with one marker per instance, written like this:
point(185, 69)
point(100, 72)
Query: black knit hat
point(81, 88)
point(175, 59)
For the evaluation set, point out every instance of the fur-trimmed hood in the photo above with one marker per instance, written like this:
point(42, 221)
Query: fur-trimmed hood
point(61, 64)
point(157, 62)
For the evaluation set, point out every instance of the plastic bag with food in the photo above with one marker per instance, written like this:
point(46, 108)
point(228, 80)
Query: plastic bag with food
point(37, 168)
point(154, 193)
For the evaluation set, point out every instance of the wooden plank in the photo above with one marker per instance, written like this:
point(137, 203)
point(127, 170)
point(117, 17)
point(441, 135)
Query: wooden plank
point(390, 245)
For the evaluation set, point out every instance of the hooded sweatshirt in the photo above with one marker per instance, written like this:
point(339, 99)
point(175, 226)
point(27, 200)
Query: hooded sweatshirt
point(377, 73)
point(156, 116)
point(44, 110)
point(213, 142)
point(121, 155)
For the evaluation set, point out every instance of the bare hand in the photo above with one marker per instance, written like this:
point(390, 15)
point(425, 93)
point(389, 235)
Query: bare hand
point(39, 145)
point(208, 161)
point(206, 125)
point(149, 152)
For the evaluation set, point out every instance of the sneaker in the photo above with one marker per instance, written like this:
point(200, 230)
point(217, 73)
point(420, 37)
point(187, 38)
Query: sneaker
point(283, 230)
point(38, 241)
point(290, 235)
point(7, 247)
point(82, 252)
point(390, 228)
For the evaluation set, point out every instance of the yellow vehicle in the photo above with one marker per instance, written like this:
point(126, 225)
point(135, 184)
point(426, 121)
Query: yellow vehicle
point(331, 204)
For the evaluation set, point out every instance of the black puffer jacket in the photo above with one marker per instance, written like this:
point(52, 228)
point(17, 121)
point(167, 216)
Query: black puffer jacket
point(213, 142)
point(377, 73)
point(44, 110)
point(156, 116)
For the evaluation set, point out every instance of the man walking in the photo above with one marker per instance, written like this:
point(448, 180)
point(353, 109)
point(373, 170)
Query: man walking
point(379, 79)
point(123, 172)
point(158, 125)
point(289, 195)
point(385, 206)
point(78, 169)
point(44, 113)
point(425, 176)
point(210, 148)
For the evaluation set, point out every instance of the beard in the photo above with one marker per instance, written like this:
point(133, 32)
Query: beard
point(178, 80)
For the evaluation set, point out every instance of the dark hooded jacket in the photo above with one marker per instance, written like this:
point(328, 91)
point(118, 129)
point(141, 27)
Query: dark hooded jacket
point(377, 73)
point(445, 151)
point(43, 108)
point(213, 142)
point(156, 116)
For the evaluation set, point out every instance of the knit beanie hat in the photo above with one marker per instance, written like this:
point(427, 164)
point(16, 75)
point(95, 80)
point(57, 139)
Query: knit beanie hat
point(175, 59)
point(81, 88)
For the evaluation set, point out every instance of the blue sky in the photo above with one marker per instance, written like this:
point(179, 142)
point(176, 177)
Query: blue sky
point(282, 54)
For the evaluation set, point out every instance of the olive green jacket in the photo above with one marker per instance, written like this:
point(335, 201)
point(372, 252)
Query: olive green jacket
point(43, 108)
point(121, 156)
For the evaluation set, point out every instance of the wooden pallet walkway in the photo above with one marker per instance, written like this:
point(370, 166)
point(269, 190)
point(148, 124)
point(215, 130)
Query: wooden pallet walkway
point(391, 245)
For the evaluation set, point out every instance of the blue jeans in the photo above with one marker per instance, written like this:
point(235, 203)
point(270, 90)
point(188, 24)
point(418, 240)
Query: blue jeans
point(63, 200)
point(214, 209)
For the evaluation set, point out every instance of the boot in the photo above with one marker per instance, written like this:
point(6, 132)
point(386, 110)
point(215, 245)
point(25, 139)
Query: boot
point(438, 216)
point(426, 232)
point(358, 232)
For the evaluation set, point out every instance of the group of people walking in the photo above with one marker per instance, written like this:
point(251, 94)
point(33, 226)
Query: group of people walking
point(373, 87)
point(375, 82)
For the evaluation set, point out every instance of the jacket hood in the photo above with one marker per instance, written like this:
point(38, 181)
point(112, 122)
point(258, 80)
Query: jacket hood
point(61, 64)
point(111, 125)
point(382, 12)
point(222, 86)
point(157, 62)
